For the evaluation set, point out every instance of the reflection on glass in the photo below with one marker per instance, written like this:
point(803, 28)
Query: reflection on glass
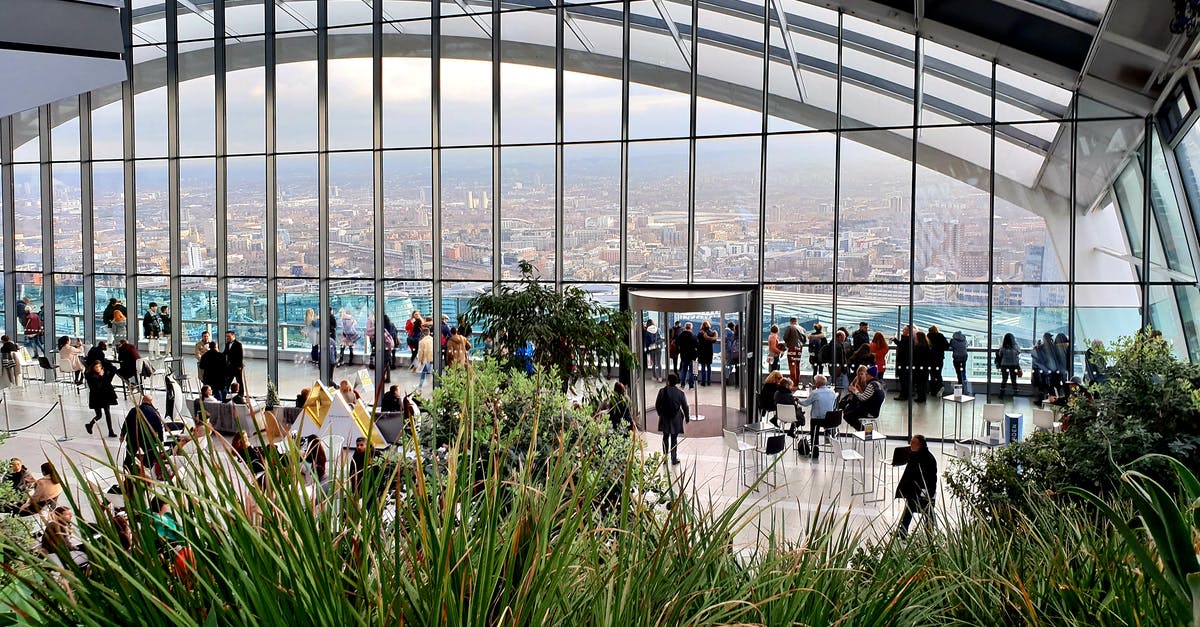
point(726, 215)
point(297, 242)
point(876, 204)
point(68, 219)
point(527, 227)
point(150, 105)
point(466, 112)
point(800, 180)
point(351, 215)
point(408, 214)
point(592, 212)
point(198, 217)
point(467, 213)
point(657, 230)
point(27, 217)
point(197, 106)
point(27, 144)
point(812, 80)
point(247, 233)
point(877, 75)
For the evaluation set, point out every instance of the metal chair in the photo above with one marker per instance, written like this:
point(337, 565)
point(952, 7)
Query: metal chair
point(900, 456)
point(48, 370)
point(770, 452)
point(734, 444)
point(829, 426)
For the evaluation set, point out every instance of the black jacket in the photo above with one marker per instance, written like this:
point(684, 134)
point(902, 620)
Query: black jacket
point(705, 353)
point(101, 392)
point(920, 473)
point(389, 402)
point(151, 325)
point(938, 345)
point(213, 365)
point(233, 357)
point(672, 408)
point(861, 337)
point(686, 345)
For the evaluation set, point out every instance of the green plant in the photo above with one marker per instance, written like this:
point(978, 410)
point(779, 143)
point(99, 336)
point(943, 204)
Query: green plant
point(573, 336)
point(1170, 563)
point(272, 395)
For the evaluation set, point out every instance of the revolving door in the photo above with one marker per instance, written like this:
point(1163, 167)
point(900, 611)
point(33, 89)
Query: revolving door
point(720, 391)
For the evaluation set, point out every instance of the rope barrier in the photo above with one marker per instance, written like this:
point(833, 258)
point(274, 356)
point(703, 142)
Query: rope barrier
point(36, 422)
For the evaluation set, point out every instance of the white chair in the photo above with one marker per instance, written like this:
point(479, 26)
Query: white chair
point(734, 444)
point(787, 417)
point(1043, 420)
point(852, 456)
point(993, 416)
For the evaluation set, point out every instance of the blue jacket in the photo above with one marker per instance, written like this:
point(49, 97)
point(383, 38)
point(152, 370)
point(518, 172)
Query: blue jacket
point(822, 400)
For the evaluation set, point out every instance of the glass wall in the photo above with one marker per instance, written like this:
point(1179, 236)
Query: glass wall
point(952, 191)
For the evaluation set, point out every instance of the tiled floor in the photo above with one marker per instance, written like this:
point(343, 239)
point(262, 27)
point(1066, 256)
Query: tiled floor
point(803, 486)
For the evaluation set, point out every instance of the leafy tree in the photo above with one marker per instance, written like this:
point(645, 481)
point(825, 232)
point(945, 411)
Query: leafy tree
point(572, 335)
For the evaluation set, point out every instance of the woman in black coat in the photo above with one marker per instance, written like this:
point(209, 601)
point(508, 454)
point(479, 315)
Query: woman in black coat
point(101, 395)
point(672, 408)
point(938, 345)
point(212, 363)
point(707, 338)
point(918, 485)
point(922, 357)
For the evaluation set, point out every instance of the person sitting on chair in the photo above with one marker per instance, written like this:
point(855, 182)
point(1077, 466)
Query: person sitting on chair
point(46, 491)
point(822, 400)
point(784, 396)
point(865, 398)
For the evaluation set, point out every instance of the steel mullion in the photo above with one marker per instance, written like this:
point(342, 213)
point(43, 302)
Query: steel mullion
point(221, 190)
point(693, 62)
point(497, 204)
point(918, 64)
point(323, 183)
point(837, 175)
point(86, 217)
point(622, 271)
point(130, 178)
point(762, 153)
point(560, 15)
point(49, 280)
point(174, 282)
point(272, 200)
point(435, 103)
point(1147, 294)
point(991, 282)
point(7, 205)
point(377, 183)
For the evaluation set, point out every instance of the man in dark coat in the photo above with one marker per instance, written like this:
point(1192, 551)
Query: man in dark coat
point(235, 361)
point(127, 358)
point(687, 346)
point(672, 408)
point(918, 485)
point(212, 364)
point(904, 352)
point(143, 429)
point(862, 336)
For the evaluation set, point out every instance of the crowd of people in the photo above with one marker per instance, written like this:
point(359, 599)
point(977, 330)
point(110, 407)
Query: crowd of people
point(383, 342)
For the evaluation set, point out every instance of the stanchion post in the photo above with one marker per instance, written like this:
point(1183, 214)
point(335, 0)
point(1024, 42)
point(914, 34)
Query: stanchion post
point(4, 399)
point(63, 415)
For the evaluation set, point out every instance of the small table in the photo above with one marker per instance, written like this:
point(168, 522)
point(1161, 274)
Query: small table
point(802, 394)
point(958, 402)
point(869, 457)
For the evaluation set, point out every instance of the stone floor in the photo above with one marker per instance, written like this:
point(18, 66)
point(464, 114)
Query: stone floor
point(38, 427)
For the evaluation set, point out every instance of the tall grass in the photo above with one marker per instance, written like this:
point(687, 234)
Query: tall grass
point(473, 542)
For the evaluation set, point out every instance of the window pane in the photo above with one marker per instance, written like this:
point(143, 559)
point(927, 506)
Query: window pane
point(350, 94)
point(726, 217)
point(527, 90)
point(877, 75)
point(592, 212)
point(953, 221)
point(198, 217)
point(197, 102)
point(466, 113)
point(296, 95)
point(149, 103)
point(27, 146)
point(467, 213)
point(64, 131)
point(353, 304)
point(657, 246)
point(297, 250)
point(108, 216)
point(591, 83)
point(408, 213)
point(246, 219)
point(27, 218)
point(527, 229)
point(876, 201)
point(813, 81)
point(108, 286)
point(407, 87)
point(107, 123)
point(68, 307)
point(956, 86)
point(296, 298)
point(1102, 233)
point(68, 219)
point(153, 236)
point(248, 318)
point(800, 178)
point(1170, 236)
point(726, 71)
point(351, 215)
point(245, 104)
point(659, 75)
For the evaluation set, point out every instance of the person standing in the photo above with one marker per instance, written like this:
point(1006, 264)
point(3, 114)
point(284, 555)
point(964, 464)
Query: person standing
point(775, 348)
point(235, 360)
point(652, 360)
point(922, 356)
point(412, 329)
point(732, 353)
point(212, 370)
point(35, 333)
point(837, 356)
point(425, 355)
point(107, 317)
point(23, 310)
point(152, 329)
point(143, 429)
point(937, 359)
point(619, 413)
point(707, 340)
point(958, 353)
point(816, 343)
point(101, 395)
point(918, 486)
point(879, 350)
point(904, 364)
point(457, 349)
point(1008, 360)
point(349, 335)
point(201, 348)
point(686, 347)
point(672, 349)
point(794, 339)
point(672, 408)
point(164, 318)
point(862, 336)
point(120, 321)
